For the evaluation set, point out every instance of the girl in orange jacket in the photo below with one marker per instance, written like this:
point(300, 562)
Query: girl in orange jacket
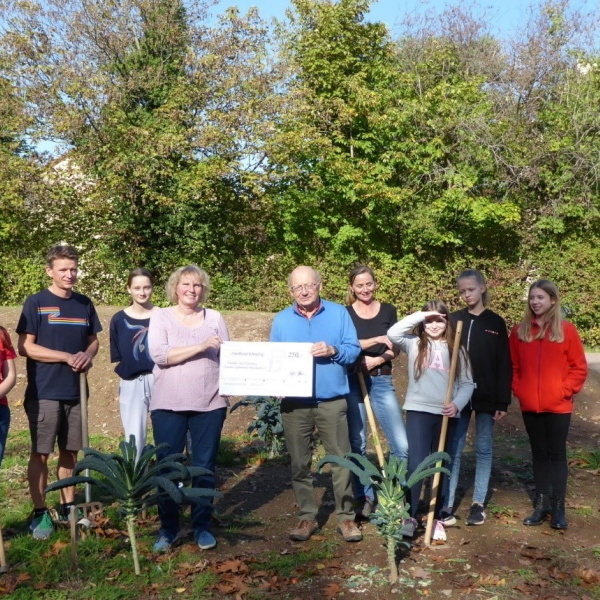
point(549, 368)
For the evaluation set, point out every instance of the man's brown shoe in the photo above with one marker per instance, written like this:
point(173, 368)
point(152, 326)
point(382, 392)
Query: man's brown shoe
point(303, 531)
point(350, 532)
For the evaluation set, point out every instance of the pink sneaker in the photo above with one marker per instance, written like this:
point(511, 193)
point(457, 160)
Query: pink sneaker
point(439, 532)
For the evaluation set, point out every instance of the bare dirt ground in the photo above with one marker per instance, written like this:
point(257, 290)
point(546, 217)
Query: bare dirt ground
point(502, 559)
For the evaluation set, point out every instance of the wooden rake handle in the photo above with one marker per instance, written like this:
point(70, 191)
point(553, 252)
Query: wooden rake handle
point(371, 419)
point(85, 434)
point(443, 432)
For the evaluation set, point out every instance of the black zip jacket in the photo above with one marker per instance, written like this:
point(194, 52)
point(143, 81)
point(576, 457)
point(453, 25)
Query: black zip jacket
point(486, 339)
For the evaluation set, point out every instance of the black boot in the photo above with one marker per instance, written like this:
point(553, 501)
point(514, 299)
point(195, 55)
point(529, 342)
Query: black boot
point(541, 509)
point(559, 519)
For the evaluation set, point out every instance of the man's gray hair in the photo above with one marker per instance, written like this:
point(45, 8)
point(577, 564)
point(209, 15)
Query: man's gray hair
point(316, 274)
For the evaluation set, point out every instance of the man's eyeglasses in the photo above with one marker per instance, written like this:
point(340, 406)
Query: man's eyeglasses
point(305, 287)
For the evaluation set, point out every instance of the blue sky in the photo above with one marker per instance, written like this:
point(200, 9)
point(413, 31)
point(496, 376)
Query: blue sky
point(505, 16)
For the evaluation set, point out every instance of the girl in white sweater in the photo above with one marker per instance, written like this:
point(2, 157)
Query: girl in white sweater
point(427, 337)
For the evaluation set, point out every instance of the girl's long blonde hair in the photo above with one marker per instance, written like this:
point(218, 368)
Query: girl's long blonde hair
point(422, 357)
point(552, 319)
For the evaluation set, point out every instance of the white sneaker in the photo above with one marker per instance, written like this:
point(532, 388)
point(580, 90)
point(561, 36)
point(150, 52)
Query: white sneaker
point(448, 519)
point(439, 533)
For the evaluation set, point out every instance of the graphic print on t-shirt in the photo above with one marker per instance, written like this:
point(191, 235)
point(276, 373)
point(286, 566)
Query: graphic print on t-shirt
point(436, 360)
point(139, 340)
point(54, 317)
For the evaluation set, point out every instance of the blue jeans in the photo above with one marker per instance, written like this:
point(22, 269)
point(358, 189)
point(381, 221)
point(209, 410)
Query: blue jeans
point(4, 425)
point(171, 428)
point(484, 433)
point(388, 413)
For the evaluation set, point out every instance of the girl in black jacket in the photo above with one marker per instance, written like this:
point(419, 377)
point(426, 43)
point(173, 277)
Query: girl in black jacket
point(485, 337)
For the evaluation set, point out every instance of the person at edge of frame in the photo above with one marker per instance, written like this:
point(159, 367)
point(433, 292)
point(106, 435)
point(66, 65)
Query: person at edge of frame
point(8, 379)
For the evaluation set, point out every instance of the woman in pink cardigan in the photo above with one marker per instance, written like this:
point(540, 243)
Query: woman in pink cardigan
point(184, 342)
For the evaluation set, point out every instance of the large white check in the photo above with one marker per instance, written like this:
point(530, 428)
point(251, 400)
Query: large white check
point(266, 369)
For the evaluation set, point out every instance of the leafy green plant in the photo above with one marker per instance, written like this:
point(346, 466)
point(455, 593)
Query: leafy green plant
point(267, 423)
point(137, 483)
point(391, 486)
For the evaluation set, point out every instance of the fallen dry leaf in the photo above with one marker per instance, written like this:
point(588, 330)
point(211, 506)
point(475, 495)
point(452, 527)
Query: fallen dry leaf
point(535, 553)
point(331, 590)
point(113, 575)
point(556, 574)
point(420, 573)
point(232, 566)
point(56, 548)
point(439, 559)
point(41, 585)
point(587, 575)
point(492, 580)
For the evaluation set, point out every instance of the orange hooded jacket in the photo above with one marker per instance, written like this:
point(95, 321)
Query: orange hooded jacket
point(546, 375)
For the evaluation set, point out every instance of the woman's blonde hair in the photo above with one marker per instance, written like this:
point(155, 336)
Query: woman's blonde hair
point(424, 343)
point(552, 319)
point(175, 278)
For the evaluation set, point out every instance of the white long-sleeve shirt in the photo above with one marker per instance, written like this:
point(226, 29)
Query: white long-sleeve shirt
point(428, 392)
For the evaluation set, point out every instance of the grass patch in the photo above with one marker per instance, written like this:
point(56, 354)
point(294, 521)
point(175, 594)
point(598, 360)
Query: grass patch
point(288, 565)
point(502, 511)
point(228, 454)
point(240, 523)
point(245, 450)
point(584, 458)
point(203, 582)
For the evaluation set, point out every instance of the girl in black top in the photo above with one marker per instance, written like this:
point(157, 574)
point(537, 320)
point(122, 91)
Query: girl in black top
point(485, 337)
point(129, 348)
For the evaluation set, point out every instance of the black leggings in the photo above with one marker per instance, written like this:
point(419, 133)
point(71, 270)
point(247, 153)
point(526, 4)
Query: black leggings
point(548, 438)
point(423, 432)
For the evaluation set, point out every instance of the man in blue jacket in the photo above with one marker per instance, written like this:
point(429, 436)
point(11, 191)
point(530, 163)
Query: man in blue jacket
point(335, 346)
